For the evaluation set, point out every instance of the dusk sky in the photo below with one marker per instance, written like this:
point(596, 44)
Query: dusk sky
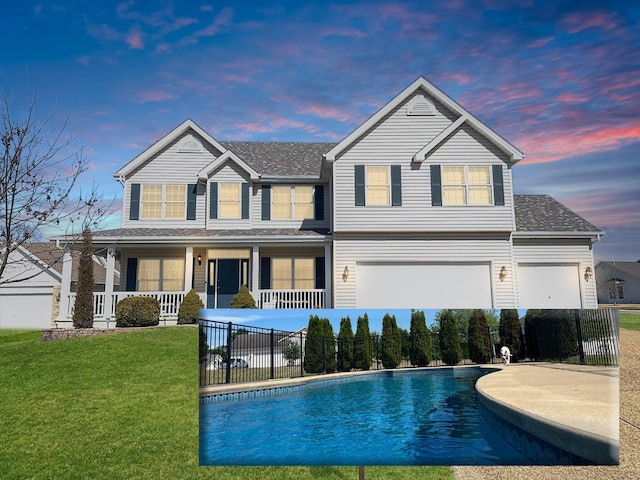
point(559, 80)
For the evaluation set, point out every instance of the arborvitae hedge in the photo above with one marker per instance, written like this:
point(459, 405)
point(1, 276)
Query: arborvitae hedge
point(479, 340)
point(391, 354)
point(83, 307)
point(363, 345)
point(313, 347)
point(345, 346)
point(189, 311)
point(449, 341)
point(243, 299)
point(511, 333)
point(420, 349)
point(204, 347)
point(329, 347)
point(532, 317)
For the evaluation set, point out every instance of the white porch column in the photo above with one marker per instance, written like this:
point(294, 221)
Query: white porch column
point(65, 287)
point(255, 271)
point(108, 284)
point(328, 275)
point(188, 269)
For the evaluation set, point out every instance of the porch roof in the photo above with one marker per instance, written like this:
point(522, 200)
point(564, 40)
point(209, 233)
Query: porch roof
point(193, 235)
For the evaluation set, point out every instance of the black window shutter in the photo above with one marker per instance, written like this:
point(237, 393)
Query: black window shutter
point(134, 205)
point(436, 186)
point(265, 273)
point(396, 186)
point(213, 200)
point(132, 274)
point(498, 185)
point(358, 173)
point(320, 272)
point(266, 202)
point(245, 200)
point(192, 189)
point(318, 202)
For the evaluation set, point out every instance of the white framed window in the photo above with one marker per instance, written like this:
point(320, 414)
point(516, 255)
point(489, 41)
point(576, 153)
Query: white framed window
point(164, 201)
point(292, 273)
point(292, 202)
point(230, 202)
point(466, 185)
point(160, 275)
point(378, 191)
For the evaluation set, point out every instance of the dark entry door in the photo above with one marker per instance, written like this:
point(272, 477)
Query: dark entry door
point(223, 282)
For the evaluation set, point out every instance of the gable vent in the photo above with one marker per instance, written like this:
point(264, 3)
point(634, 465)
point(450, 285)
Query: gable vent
point(190, 144)
point(420, 105)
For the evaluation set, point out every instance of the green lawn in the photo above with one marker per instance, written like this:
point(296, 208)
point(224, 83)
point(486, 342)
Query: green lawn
point(120, 406)
point(630, 320)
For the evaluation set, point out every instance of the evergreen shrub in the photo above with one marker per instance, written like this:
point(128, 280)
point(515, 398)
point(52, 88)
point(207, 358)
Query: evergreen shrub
point(243, 299)
point(420, 338)
point(188, 312)
point(83, 306)
point(137, 312)
point(478, 335)
point(391, 355)
point(363, 345)
point(345, 346)
point(449, 340)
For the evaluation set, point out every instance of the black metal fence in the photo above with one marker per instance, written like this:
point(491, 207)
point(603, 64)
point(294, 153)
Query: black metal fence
point(587, 337)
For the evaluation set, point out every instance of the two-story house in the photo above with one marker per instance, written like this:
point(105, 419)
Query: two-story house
point(414, 209)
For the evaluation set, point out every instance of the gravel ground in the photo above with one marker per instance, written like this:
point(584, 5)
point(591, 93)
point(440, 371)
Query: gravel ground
point(629, 467)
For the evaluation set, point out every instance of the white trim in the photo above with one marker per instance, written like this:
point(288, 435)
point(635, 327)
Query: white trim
point(421, 155)
point(207, 171)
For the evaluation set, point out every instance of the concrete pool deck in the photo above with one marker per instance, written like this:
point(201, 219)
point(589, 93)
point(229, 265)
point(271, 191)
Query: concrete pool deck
point(574, 407)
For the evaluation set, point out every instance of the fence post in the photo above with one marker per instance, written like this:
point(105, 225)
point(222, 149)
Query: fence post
point(272, 348)
point(301, 357)
point(576, 315)
point(229, 340)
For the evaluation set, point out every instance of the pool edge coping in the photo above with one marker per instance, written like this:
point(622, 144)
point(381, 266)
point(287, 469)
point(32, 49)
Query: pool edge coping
point(596, 448)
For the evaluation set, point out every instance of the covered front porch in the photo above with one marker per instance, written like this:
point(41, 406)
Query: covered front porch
point(289, 274)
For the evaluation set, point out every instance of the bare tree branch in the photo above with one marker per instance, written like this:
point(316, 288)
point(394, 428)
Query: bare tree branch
point(39, 175)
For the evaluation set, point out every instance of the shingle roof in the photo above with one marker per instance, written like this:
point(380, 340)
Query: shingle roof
point(627, 268)
point(201, 232)
point(541, 213)
point(281, 159)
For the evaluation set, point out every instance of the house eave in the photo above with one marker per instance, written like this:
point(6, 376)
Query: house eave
point(572, 234)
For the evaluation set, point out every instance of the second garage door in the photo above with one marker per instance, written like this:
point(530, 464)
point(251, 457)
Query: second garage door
point(423, 285)
point(548, 286)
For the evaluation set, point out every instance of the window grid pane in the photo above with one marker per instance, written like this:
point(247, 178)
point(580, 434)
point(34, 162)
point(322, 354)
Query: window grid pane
point(479, 195)
point(230, 200)
point(479, 176)
point(378, 188)
point(454, 195)
point(303, 198)
point(281, 199)
point(281, 273)
point(148, 275)
point(453, 176)
point(304, 273)
point(152, 201)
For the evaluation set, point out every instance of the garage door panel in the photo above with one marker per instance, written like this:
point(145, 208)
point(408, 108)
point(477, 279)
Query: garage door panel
point(549, 286)
point(413, 285)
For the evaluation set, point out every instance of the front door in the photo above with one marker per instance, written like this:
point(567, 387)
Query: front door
point(223, 282)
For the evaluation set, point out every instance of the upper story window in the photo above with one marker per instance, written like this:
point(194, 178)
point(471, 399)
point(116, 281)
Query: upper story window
point(164, 201)
point(230, 201)
point(378, 185)
point(292, 202)
point(466, 185)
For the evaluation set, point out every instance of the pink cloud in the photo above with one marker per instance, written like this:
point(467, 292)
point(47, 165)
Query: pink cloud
point(578, 21)
point(459, 78)
point(236, 78)
point(156, 95)
point(540, 42)
point(326, 111)
point(84, 60)
point(573, 98)
point(343, 32)
point(134, 38)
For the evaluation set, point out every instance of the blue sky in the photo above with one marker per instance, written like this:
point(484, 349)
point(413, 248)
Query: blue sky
point(292, 320)
point(560, 80)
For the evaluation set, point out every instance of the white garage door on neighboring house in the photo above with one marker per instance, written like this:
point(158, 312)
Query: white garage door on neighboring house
point(413, 285)
point(548, 286)
point(26, 307)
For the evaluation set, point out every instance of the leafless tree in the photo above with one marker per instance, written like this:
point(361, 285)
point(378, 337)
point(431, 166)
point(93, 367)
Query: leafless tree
point(39, 173)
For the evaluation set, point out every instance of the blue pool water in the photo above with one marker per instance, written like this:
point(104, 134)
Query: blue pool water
point(419, 417)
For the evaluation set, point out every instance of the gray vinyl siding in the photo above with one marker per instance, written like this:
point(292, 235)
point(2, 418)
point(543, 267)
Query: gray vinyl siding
point(172, 165)
point(230, 172)
point(352, 248)
point(394, 142)
point(550, 251)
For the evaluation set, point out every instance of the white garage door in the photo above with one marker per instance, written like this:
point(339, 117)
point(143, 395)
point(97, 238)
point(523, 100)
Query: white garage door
point(26, 310)
point(548, 286)
point(423, 286)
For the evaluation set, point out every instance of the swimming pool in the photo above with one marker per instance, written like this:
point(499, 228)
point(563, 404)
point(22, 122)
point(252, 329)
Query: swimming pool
point(416, 417)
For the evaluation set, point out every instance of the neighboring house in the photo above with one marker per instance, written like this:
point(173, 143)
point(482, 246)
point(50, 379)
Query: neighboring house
point(618, 282)
point(31, 295)
point(255, 348)
point(415, 208)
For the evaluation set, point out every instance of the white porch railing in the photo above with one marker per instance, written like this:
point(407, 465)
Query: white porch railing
point(291, 298)
point(169, 303)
